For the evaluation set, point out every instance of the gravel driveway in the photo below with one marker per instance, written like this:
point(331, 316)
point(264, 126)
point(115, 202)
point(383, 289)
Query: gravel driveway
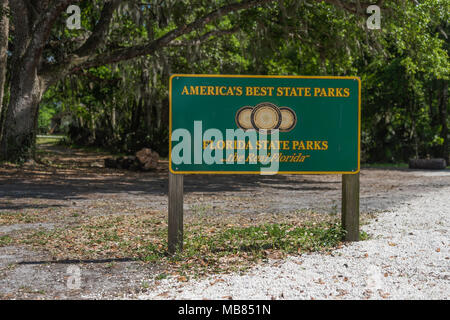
point(407, 257)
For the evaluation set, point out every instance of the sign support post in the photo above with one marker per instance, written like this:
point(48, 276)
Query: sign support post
point(175, 237)
point(350, 206)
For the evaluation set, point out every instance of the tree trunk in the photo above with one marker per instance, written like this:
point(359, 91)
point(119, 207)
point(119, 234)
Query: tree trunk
point(25, 87)
point(443, 114)
point(4, 34)
point(136, 114)
point(149, 112)
point(433, 164)
point(19, 131)
point(165, 114)
point(430, 97)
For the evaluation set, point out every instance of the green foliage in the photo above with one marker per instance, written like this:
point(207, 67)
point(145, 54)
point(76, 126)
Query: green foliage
point(45, 119)
point(256, 239)
point(403, 68)
point(248, 243)
point(208, 245)
point(5, 240)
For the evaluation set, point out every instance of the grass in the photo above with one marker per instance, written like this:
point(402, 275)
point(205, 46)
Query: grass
point(255, 240)
point(9, 218)
point(387, 165)
point(145, 285)
point(161, 276)
point(209, 246)
point(90, 149)
point(63, 141)
point(363, 236)
point(200, 210)
point(49, 139)
point(384, 165)
point(237, 248)
point(5, 240)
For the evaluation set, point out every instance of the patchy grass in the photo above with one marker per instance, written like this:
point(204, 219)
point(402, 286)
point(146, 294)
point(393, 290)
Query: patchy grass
point(9, 218)
point(49, 139)
point(363, 236)
point(388, 165)
point(101, 236)
point(210, 246)
point(237, 248)
point(384, 165)
point(5, 240)
point(90, 149)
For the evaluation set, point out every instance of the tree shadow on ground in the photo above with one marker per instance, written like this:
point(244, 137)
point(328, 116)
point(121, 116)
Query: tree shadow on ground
point(76, 261)
point(78, 186)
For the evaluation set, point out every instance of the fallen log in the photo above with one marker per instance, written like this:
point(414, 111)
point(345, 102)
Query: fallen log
point(110, 163)
point(430, 164)
point(121, 163)
point(125, 162)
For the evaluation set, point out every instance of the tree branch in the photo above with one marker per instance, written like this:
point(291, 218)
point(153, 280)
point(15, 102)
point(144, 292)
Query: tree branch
point(354, 8)
point(98, 36)
point(205, 37)
point(41, 32)
point(77, 62)
point(85, 57)
point(53, 13)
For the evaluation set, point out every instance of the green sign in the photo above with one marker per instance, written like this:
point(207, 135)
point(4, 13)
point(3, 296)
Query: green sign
point(264, 124)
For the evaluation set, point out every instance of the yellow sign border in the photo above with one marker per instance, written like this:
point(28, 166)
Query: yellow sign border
point(263, 76)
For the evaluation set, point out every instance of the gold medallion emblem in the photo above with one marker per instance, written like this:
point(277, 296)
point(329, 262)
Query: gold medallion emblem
point(243, 116)
point(266, 116)
point(289, 119)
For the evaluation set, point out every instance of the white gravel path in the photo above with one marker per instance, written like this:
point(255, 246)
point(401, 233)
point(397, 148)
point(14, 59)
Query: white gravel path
point(406, 258)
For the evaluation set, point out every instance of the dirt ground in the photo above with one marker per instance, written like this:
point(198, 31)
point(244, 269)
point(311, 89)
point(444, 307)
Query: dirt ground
point(71, 183)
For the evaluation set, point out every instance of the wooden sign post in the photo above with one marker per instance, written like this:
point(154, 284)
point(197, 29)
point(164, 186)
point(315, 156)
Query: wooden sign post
point(350, 206)
point(175, 241)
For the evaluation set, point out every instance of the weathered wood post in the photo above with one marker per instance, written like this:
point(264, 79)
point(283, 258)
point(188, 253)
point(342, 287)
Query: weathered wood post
point(350, 206)
point(175, 241)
